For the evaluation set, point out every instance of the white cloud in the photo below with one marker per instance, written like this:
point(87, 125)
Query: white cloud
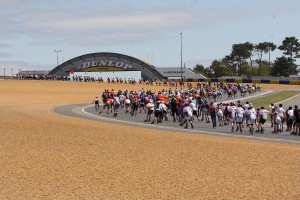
point(4, 45)
point(21, 65)
point(105, 27)
point(111, 24)
point(4, 55)
point(68, 22)
point(11, 3)
point(84, 25)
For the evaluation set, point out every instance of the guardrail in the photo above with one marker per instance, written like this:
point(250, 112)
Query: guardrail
point(232, 80)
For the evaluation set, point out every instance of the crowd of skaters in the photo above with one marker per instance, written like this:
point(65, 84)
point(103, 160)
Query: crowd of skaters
point(186, 106)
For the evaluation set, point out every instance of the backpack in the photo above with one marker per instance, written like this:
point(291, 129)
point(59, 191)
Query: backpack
point(252, 116)
point(213, 111)
point(104, 96)
point(226, 111)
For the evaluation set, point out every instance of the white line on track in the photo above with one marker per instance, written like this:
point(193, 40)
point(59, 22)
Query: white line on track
point(190, 131)
point(288, 99)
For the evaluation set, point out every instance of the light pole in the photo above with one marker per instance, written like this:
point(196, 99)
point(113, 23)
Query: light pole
point(181, 79)
point(57, 51)
point(269, 62)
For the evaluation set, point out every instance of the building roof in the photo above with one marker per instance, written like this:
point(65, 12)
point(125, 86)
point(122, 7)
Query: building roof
point(37, 72)
point(176, 72)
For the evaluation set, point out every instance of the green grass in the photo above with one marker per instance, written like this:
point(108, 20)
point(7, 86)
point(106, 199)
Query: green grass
point(273, 98)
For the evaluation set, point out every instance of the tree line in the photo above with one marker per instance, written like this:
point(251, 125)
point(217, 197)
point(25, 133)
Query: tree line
point(248, 59)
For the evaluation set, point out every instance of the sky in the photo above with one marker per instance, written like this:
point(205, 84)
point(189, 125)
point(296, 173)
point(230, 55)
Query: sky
point(31, 30)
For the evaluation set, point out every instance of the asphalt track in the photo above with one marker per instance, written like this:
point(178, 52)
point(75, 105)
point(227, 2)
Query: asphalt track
point(87, 111)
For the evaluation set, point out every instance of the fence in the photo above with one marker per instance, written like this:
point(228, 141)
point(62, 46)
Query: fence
point(246, 80)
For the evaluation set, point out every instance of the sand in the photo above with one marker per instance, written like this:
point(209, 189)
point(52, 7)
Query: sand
point(44, 155)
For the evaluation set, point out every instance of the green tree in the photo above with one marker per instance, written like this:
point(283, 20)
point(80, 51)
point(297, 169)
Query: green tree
point(209, 72)
point(264, 48)
point(246, 69)
point(290, 47)
point(261, 48)
point(250, 48)
point(220, 68)
point(199, 69)
point(284, 66)
point(239, 53)
point(264, 68)
point(270, 47)
point(217, 68)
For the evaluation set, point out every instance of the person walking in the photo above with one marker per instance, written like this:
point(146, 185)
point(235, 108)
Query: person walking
point(296, 118)
point(251, 117)
point(194, 109)
point(231, 115)
point(220, 114)
point(278, 123)
point(150, 109)
point(116, 104)
point(281, 114)
point(174, 109)
point(96, 102)
point(289, 118)
point(157, 113)
point(188, 115)
point(263, 115)
point(213, 116)
point(239, 116)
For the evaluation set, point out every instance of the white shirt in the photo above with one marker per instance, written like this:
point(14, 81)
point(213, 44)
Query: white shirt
point(264, 113)
point(116, 100)
point(127, 101)
point(163, 106)
point(231, 109)
point(193, 106)
point(239, 112)
point(280, 111)
point(246, 106)
point(290, 113)
point(251, 113)
point(150, 106)
point(121, 97)
point(188, 110)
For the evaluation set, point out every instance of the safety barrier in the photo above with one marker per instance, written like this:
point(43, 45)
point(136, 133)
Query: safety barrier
point(232, 80)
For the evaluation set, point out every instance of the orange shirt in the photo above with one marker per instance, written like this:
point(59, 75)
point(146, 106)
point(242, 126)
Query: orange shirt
point(166, 100)
point(160, 96)
point(109, 101)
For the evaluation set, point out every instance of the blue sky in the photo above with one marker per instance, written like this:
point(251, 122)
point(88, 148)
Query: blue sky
point(148, 30)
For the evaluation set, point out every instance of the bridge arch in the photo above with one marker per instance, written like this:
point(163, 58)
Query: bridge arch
point(106, 61)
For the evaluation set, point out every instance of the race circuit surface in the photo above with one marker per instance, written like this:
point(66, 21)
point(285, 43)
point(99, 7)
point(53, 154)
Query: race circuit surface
point(87, 111)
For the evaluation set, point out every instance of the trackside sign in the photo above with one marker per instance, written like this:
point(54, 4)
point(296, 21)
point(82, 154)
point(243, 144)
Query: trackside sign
point(98, 63)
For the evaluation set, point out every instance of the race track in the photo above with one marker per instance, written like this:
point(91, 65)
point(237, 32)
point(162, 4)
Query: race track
point(200, 127)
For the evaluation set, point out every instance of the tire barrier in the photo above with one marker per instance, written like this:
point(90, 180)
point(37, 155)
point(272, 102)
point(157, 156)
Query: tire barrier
point(232, 80)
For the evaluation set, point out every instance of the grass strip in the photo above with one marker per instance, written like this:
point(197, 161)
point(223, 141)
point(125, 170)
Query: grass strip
point(273, 98)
